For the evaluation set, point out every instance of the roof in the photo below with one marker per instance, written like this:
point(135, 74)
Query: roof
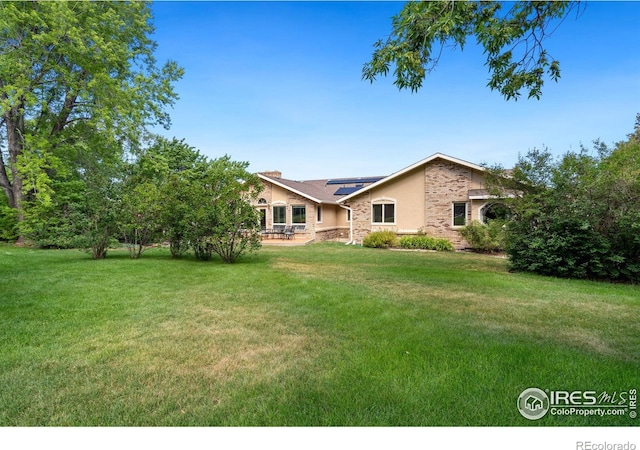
point(359, 180)
point(321, 191)
point(410, 168)
point(337, 190)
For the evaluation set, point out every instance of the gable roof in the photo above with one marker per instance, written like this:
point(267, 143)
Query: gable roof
point(308, 189)
point(412, 167)
point(320, 191)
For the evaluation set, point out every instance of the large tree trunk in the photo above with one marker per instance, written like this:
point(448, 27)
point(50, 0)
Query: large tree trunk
point(14, 121)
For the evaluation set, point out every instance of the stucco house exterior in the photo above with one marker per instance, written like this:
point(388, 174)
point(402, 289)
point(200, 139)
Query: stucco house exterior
point(310, 207)
point(437, 195)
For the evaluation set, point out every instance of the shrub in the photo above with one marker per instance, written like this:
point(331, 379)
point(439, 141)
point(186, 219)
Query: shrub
point(203, 249)
point(578, 215)
point(8, 223)
point(423, 242)
point(563, 247)
point(380, 239)
point(485, 238)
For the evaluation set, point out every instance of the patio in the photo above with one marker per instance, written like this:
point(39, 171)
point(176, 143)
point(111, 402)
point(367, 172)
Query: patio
point(293, 240)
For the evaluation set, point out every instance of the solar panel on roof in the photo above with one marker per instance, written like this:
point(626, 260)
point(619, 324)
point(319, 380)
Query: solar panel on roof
point(347, 190)
point(354, 180)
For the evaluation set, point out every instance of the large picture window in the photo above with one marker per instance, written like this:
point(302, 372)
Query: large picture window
point(384, 213)
point(459, 214)
point(299, 216)
point(279, 215)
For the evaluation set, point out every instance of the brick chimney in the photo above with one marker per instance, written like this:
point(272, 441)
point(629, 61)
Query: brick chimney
point(273, 173)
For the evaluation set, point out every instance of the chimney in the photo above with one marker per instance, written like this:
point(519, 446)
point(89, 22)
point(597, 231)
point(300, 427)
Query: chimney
point(273, 173)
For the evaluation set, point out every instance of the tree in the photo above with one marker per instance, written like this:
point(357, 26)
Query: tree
point(577, 216)
point(222, 219)
point(174, 193)
point(66, 67)
point(139, 219)
point(171, 167)
point(101, 176)
point(513, 42)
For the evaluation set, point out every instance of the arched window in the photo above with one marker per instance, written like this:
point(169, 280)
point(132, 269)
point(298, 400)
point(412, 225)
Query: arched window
point(262, 201)
point(494, 211)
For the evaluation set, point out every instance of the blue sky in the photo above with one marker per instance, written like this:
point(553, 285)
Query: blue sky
point(278, 84)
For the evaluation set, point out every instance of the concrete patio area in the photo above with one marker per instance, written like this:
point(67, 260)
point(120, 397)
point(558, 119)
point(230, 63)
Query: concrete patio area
point(300, 239)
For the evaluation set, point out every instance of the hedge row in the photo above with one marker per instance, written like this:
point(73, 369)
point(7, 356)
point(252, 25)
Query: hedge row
point(388, 239)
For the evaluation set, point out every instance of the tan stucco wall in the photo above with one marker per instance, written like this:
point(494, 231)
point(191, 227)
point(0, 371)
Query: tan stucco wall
point(408, 193)
point(334, 223)
point(424, 200)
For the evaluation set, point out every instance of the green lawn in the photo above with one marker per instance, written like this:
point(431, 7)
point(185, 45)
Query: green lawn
point(317, 335)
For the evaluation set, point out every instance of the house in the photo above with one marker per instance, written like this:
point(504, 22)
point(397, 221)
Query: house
point(310, 207)
point(437, 195)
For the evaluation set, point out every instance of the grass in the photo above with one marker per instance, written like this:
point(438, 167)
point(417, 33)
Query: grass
point(321, 335)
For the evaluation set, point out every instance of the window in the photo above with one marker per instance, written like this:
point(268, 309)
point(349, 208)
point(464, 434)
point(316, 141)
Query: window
point(459, 214)
point(263, 219)
point(494, 211)
point(348, 215)
point(279, 215)
point(318, 213)
point(384, 213)
point(299, 216)
point(262, 201)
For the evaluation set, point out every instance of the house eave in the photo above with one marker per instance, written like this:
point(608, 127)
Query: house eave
point(289, 188)
point(409, 169)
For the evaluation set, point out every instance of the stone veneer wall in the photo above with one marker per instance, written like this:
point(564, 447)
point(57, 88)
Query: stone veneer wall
point(361, 216)
point(333, 234)
point(295, 199)
point(445, 183)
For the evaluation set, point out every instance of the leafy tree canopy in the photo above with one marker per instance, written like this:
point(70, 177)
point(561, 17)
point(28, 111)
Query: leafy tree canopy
point(513, 42)
point(576, 216)
point(70, 71)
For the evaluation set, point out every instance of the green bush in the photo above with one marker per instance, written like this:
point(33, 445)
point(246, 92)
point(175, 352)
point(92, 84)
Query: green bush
point(578, 215)
point(483, 238)
point(423, 242)
point(563, 247)
point(8, 223)
point(380, 239)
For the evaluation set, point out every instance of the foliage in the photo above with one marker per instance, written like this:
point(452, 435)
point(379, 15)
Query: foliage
point(101, 208)
point(175, 214)
point(221, 218)
point(139, 219)
point(388, 239)
point(424, 242)
point(485, 238)
point(380, 239)
point(577, 216)
point(558, 246)
point(512, 42)
point(70, 70)
point(177, 166)
point(8, 222)
point(57, 224)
